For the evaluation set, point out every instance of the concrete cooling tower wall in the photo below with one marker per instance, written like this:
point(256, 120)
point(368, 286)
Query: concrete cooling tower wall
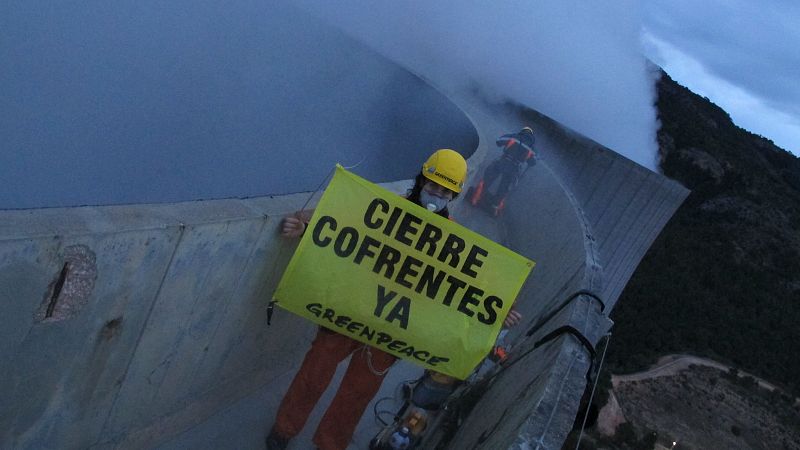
point(145, 325)
point(587, 215)
point(123, 326)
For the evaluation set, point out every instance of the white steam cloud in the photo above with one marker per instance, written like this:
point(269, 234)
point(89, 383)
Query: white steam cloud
point(579, 62)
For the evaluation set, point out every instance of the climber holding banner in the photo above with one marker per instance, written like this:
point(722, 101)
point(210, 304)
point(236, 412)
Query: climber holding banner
point(380, 270)
point(424, 280)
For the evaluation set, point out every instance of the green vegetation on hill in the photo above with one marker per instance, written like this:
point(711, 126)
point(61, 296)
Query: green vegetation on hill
point(723, 278)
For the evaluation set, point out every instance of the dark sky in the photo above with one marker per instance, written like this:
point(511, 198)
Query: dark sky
point(142, 101)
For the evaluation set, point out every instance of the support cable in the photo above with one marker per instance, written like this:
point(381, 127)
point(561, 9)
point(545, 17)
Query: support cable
point(594, 386)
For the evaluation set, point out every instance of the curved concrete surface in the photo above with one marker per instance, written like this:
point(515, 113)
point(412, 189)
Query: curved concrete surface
point(158, 337)
point(586, 215)
point(145, 103)
point(172, 336)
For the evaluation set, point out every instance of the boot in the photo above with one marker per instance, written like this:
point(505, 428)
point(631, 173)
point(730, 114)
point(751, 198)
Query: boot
point(276, 442)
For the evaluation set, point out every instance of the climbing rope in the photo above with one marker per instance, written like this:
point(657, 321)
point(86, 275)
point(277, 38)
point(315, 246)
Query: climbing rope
point(594, 386)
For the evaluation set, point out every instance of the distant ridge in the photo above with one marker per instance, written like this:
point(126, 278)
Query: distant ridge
point(723, 278)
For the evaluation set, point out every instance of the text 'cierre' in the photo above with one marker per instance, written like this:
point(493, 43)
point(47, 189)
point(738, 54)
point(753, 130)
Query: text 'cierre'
point(405, 265)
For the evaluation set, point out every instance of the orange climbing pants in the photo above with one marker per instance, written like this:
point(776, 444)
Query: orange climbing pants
point(359, 385)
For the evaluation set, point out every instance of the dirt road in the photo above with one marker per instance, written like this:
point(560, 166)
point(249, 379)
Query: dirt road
point(672, 364)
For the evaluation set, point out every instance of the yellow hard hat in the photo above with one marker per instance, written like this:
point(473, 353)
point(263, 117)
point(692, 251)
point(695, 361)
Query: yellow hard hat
point(447, 168)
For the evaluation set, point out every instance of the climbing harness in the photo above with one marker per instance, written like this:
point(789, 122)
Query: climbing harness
point(368, 355)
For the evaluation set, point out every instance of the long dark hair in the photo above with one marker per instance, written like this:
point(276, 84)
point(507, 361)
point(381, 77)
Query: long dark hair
point(413, 194)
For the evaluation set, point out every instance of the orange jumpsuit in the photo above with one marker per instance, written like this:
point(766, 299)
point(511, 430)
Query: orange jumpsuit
point(359, 385)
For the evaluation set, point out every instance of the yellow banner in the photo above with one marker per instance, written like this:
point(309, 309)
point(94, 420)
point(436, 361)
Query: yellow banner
point(387, 272)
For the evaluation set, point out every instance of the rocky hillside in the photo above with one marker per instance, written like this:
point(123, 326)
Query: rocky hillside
point(705, 408)
point(723, 278)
